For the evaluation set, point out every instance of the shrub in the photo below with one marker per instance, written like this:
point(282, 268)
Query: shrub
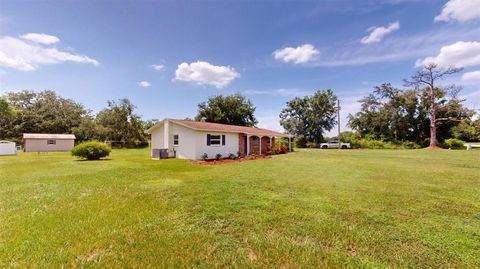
point(232, 156)
point(205, 156)
point(218, 156)
point(312, 145)
point(453, 143)
point(91, 150)
point(410, 145)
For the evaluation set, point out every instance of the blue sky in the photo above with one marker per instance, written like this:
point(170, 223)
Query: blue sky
point(168, 56)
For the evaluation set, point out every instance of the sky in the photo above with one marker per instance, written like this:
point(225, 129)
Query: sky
point(168, 56)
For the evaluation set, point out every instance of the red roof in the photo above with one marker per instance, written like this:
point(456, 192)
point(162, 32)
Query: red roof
point(218, 127)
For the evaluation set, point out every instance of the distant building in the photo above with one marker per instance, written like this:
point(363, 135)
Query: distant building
point(7, 148)
point(48, 142)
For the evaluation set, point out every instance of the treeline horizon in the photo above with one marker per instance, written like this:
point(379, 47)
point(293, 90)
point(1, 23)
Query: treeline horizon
point(408, 117)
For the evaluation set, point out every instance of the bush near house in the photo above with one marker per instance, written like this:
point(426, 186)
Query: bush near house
point(91, 150)
point(205, 156)
point(278, 148)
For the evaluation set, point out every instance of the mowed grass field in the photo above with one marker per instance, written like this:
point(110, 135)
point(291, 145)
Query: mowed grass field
point(307, 209)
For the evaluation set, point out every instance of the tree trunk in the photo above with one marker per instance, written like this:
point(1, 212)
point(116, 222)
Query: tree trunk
point(433, 127)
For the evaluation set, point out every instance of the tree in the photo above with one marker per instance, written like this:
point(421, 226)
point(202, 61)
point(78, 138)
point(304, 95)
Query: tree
point(309, 117)
point(43, 112)
point(467, 131)
point(89, 129)
point(232, 109)
point(391, 114)
point(7, 114)
point(121, 123)
point(426, 80)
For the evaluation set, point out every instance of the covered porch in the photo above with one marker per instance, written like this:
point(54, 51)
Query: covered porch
point(258, 144)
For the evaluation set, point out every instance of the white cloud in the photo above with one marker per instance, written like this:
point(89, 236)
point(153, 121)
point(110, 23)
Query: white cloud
point(158, 67)
point(459, 54)
point(378, 33)
point(18, 54)
point(144, 84)
point(459, 10)
point(474, 75)
point(299, 55)
point(206, 74)
point(41, 38)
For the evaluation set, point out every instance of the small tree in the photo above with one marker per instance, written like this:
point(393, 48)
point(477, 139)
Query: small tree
point(427, 79)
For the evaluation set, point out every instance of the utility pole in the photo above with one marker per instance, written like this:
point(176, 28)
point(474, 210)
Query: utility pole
point(338, 118)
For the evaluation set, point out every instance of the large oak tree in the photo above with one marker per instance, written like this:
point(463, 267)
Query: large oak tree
point(232, 109)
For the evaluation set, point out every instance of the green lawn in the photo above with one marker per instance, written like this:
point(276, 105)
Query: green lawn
point(312, 208)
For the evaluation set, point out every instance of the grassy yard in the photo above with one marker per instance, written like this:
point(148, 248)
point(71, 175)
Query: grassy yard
point(312, 208)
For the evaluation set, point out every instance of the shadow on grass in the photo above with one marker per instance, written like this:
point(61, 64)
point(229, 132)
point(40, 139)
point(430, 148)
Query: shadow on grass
point(86, 160)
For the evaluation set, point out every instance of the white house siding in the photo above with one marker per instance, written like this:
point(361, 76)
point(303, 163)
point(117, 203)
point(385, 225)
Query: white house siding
point(186, 148)
point(40, 145)
point(230, 147)
point(7, 148)
point(157, 138)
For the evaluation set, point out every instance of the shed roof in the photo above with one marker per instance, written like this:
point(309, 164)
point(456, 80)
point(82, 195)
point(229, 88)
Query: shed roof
point(218, 127)
point(48, 136)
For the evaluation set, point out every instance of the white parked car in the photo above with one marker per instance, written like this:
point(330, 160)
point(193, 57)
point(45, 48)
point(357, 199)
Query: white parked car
point(334, 145)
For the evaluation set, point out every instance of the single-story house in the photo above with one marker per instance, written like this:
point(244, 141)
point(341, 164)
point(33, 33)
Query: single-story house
point(189, 139)
point(48, 142)
point(7, 148)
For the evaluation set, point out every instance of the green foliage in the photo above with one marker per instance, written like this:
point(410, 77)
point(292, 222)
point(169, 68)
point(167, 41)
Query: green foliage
point(42, 112)
point(467, 131)
point(218, 156)
point(453, 143)
point(89, 129)
point(232, 156)
point(230, 109)
point(410, 145)
point(204, 156)
point(46, 112)
point(279, 147)
point(390, 114)
point(91, 150)
point(309, 117)
point(121, 123)
point(312, 145)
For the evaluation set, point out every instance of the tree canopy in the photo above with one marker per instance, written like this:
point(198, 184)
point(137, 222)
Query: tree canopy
point(396, 115)
point(309, 117)
point(229, 109)
point(46, 112)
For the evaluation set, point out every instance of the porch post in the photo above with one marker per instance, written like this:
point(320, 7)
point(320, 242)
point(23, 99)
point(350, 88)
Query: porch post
point(248, 145)
point(260, 150)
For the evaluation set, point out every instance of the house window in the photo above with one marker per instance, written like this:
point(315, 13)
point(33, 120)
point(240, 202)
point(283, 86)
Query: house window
point(215, 139)
point(51, 142)
point(175, 140)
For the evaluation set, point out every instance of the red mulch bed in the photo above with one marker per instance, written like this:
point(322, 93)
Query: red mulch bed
point(223, 161)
